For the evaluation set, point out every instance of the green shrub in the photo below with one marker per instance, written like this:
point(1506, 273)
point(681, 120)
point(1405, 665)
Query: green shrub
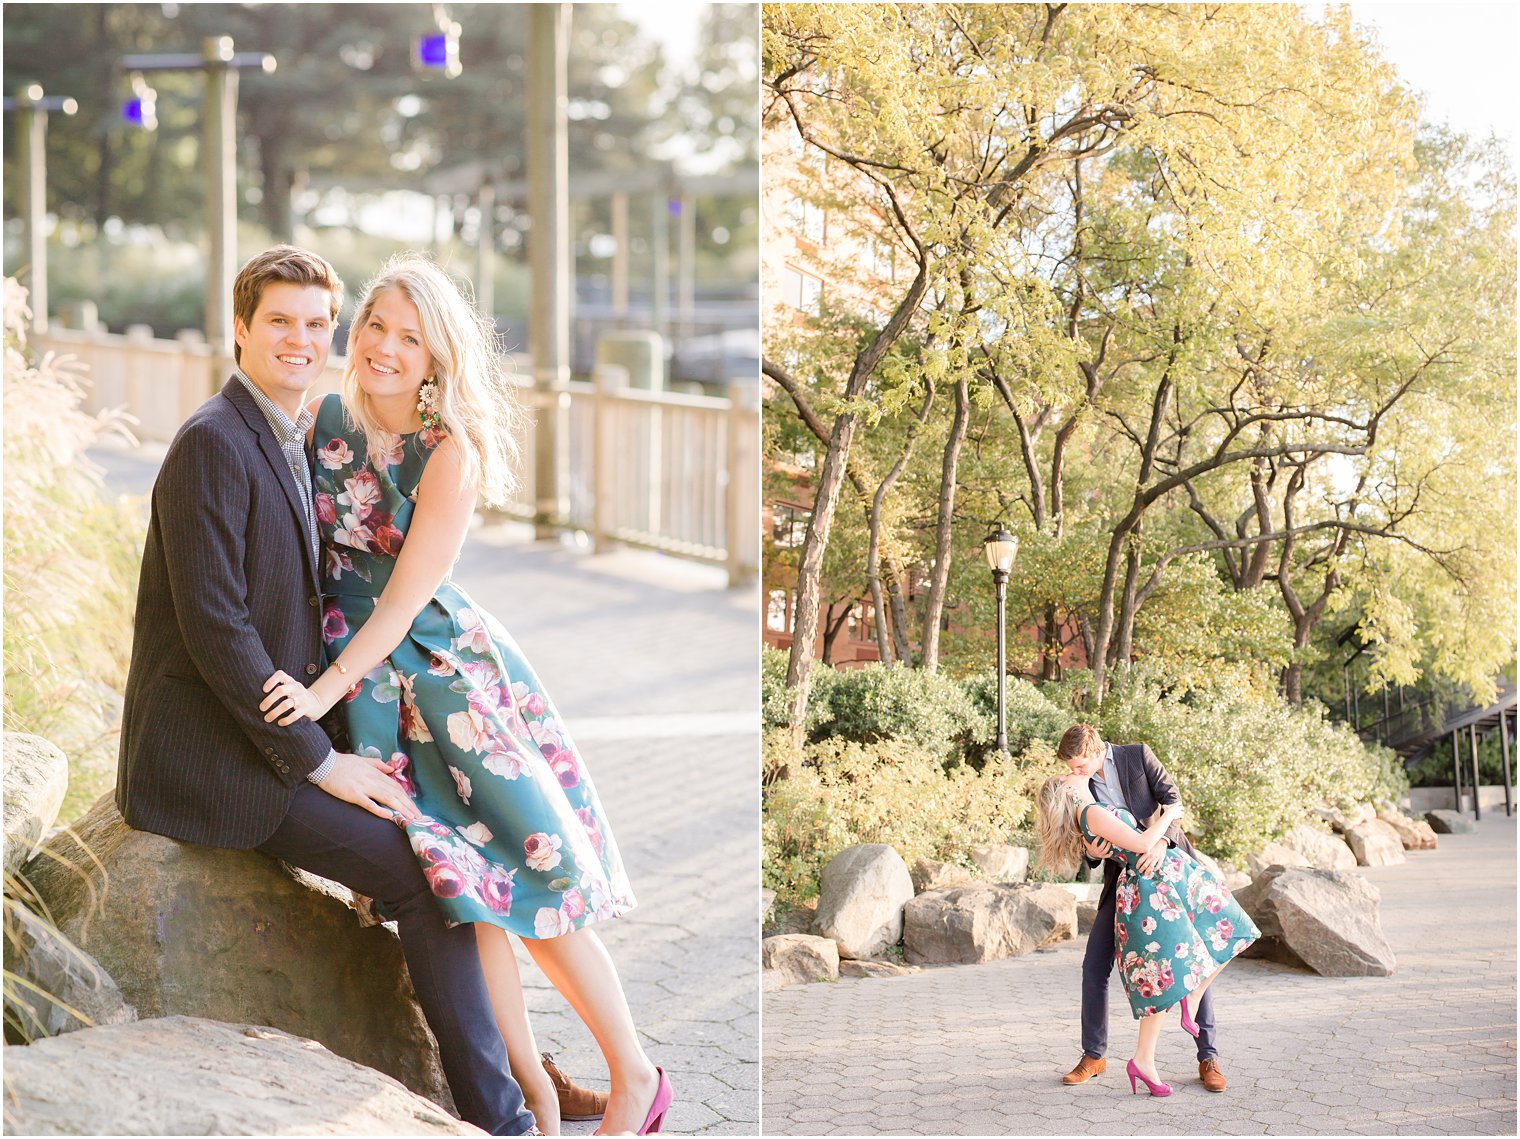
point(878, 703)
point(776, 698)
point(1028, 716)
point(892, 792)
point(1247, 769)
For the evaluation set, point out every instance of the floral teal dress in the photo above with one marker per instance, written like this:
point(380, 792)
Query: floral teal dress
point(512, 830)
point(1172, 928)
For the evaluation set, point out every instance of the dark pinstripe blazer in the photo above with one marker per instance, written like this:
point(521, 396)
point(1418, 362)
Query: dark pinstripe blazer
point(228, 593)
point(1146, 787)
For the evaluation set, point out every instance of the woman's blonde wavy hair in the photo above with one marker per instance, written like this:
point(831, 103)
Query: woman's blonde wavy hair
point(477, 404)
point(1060, 838)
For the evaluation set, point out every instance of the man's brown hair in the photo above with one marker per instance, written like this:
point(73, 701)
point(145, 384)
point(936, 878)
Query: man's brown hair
point(1079, 740)
point(283, 263)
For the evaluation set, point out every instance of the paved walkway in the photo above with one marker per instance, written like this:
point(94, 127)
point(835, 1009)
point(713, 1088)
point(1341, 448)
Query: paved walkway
point(980, 1049)
point(652, 663)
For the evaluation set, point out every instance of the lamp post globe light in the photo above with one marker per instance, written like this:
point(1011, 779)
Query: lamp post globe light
point(1001, 548)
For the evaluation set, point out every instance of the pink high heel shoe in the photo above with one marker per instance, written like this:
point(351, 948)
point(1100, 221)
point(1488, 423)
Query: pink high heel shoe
point(1158, 1090)
point(1188, 1024)
point(664, 1096)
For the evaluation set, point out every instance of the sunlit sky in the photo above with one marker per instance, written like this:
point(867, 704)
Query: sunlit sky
point(1462, 55)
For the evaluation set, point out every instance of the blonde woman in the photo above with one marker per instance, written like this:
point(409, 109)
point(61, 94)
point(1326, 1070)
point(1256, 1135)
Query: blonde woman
point(508, 826)
point(1175, 927)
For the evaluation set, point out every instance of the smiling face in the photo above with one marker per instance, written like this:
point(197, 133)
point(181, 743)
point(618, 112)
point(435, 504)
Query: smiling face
point(391, 358)
point(283, 347)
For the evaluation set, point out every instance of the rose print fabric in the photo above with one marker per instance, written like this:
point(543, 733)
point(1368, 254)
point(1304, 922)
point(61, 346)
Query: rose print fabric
point(1171, 928)
point(512, 832)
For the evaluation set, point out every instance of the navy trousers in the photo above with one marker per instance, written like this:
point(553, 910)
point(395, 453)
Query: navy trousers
point(370, 855)
point(1098, 963)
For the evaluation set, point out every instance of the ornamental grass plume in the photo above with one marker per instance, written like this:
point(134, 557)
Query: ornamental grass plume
point(71, 561)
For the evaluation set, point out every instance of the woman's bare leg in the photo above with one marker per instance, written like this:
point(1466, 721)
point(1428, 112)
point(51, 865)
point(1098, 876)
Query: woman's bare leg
point(1145, 1047)
point(1197, 994)
point(504, 983)
point(578, 965)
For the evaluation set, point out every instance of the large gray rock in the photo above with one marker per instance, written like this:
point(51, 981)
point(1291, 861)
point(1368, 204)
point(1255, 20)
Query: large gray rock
point(1415, 834)
point(1273, 854)
point(56, 983)
point(186, 1076)
point(862, 969)
point(1450, 822)
point(767, 904)
point(927, 874)
point(1325, 919)
point(1002, 863)
point(36, 778)
point(966, 925)
point(860, 899)
point(799, 959)
point(228, 935)
point(1375, 843)
point(1321, 850)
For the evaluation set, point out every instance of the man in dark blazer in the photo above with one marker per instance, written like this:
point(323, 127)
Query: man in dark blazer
point(1124, 775)
point(229, 593)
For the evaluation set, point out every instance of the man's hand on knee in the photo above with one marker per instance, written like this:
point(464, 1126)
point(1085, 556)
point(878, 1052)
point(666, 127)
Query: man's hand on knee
point(365, 782)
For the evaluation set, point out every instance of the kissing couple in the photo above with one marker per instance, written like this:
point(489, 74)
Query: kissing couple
point(1165, 919)
point(297, 568)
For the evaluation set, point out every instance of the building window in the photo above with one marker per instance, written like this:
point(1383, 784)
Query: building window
point(789, 525)
point(802, 291)
point(878, 257)
point(776, 616)
point(808, 219)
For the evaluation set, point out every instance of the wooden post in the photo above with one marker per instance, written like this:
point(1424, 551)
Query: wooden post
point(1456, 770)
point(607, 379)
point(1509, 806)
point(1472, 739)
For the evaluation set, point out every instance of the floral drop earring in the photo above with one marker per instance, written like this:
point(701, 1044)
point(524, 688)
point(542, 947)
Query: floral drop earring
point(427, 405)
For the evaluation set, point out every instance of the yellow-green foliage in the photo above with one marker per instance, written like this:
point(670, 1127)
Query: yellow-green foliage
point(71, 562)
point(843, 793)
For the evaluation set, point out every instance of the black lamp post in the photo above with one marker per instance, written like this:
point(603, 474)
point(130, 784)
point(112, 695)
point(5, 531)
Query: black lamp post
point(1001, 548)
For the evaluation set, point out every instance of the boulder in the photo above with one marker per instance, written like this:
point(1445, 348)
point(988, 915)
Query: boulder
point(876, 969)
point(1322, 850)
point(928, 874)
point(1273, 854)
point(1450, 822)
point(1002, 863)
point(767, 904)
point(798, 958)
point(1341, 821)
point(228, 935)
point(860, 899)
point(1087, 914)
point(69, 983)
point(36, 778)
point(1375, 843)
point(1415, 834)
point(966, 925)
point(183, 1075)
point(1325, 919)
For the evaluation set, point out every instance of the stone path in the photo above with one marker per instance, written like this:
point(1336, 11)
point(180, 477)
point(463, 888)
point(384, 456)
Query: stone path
point(980, 1049)
point(654, 666)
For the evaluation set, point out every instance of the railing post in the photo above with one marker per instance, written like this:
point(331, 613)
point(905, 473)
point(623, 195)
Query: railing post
point(607, 380)
point(739, 522)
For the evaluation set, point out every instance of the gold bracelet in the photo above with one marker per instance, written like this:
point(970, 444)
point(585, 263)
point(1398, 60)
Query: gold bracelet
point(340, 668)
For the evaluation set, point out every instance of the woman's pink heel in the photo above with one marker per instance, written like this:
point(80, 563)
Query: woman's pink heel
point(664, 1096)
point(1158, 1090)
point(1188, 1024)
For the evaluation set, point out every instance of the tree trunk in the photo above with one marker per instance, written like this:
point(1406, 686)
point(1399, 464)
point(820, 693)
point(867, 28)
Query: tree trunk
point(810, 567)
point(935, 603)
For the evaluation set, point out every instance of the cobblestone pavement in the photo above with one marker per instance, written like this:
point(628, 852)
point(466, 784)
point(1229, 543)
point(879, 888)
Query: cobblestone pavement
point(980, 1049)
point(654, 666)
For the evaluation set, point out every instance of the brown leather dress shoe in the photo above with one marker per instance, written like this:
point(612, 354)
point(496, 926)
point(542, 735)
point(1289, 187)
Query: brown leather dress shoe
point(1212, 1077)
point(1087, 1067)
point(575, 1102)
